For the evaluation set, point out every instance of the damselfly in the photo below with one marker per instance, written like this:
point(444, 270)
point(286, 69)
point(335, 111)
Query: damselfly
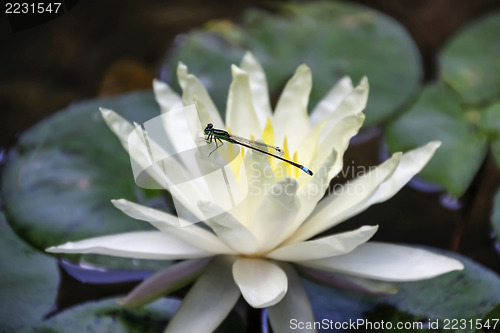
point(218, 135)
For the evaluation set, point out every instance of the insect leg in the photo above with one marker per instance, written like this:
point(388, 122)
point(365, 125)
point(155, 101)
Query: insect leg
point(216, 144)
point(208, 139)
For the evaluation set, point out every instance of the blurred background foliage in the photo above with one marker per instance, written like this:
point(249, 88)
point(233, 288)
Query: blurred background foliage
point(434, 73)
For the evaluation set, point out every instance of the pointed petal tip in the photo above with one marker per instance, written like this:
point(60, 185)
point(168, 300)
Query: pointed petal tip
point(248, 54)
point(119, 202)
point(456, 265)
point(363, 85)
point(369, 227)
point(248, 57)
point(157, 81)
point(397, 155)
point(345, 80)
point(364, 82)
point(363, 88)
point(105, 111)
point(52, 249)
point(303, 69)
point(236, 71)
point(60, 248)
point(158, 84)
point(435, 144)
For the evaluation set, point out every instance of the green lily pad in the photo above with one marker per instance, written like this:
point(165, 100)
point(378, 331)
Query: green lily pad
point(495, 217)
point(333, 38)
point(470, 61)
point(58, 181)
point(467, 294)
point(491, 322)
point(29, 282)
point(437, 115)
point(108, 316)
point(337, 305)
point(490, 125)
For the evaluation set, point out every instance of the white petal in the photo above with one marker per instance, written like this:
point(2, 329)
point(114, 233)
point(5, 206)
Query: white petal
point(354, 102)
point(324, 247)
point(164, 282)
point(336, 135)
point(166, 97)
point(149, 169)
point(295, 305)
point(308, 149)
point(241, 118)
point(343, 281)
point(330, 102)
point(343, 123)
point(167, 223)
point(262, 283)
point(336, 207)
point(141, 245)
point(147, 173)
point(291, 117)
point(118, 125)
point(312, 192)
point(190, 181)
point(258, 177)
point(258, 86)
point(275, 214)
point(388, 262)
point(208, 302)
point(230, 230)
point(191, 88)
point(410, 164)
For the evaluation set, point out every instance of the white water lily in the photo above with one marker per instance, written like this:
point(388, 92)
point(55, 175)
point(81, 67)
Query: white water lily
point(257, 248)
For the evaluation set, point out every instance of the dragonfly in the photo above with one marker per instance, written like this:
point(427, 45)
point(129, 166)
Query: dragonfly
point(218, 135)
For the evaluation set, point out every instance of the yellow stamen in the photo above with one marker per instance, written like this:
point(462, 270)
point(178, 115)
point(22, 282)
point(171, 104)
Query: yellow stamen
point(236, 162)
point(236, 165)
point(296, 169)
point(268, 137)
point(287, 157)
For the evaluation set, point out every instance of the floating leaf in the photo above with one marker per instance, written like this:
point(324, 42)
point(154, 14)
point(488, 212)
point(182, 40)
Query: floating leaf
point(108, 316)
point(467, 294)
point(29, 282)
point(333, 38)
point(58, 182)
point(437, 115)
point(490, 125)
point(470, 61)
point(495, 218)
point(491, 322)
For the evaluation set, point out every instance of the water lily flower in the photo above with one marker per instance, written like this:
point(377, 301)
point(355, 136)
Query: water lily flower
point(257, 248)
